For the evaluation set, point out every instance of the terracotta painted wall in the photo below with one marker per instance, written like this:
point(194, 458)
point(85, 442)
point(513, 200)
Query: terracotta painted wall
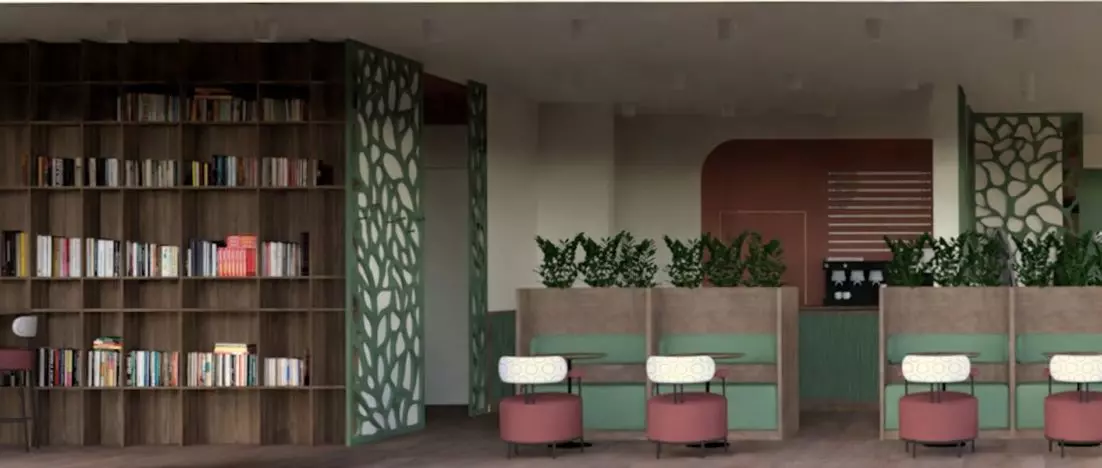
point(821, 198)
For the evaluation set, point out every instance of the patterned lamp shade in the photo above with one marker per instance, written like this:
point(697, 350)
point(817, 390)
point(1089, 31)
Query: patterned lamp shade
point(1075, 369)
point(517, 370)
point(936, 369)
point(680, 369)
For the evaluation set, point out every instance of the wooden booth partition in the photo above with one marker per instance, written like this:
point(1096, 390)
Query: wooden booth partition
point(759, 324)
point(965, 320)
point(609, 322)
point(1049, 320)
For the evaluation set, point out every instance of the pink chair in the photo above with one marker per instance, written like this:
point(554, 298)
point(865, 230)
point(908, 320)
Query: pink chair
point(938, 417)
point(683, 417)
point(21, 362)
point(539, 418)
point(1074, 417)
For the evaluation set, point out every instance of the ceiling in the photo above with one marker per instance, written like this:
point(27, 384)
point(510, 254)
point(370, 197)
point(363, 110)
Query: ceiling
point(796, 58)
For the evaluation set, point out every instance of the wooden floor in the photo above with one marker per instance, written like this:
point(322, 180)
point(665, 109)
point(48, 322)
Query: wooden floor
point(829, 440)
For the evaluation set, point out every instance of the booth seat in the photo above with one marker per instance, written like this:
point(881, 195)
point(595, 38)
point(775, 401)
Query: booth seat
point(993, 397)
point(610, 406)
point(751, 406)
point(1031, 349)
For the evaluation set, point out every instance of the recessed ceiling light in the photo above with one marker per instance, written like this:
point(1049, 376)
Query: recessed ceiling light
point(428, 30)
point(1022, 29)
point(873, 27)
point(723, 29)
point(1029, 86)
point(795, 84)
point(116, 31)
point(680, 81)
point(265, 31)
point(577, 28)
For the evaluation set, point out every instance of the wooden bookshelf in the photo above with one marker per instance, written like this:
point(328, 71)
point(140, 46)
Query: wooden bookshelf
point(70, 100)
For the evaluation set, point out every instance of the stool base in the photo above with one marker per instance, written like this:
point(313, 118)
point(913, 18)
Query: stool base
point(1071, 443)
point(911, 446)
point(513, 448)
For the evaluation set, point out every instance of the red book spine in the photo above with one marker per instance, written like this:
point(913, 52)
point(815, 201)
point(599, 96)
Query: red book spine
point(250, 262)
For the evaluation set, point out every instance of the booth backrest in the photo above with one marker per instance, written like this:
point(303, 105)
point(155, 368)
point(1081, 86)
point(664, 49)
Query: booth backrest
point(617, 348)
point(992, 348)
point(756, 348)
point(1031, 347)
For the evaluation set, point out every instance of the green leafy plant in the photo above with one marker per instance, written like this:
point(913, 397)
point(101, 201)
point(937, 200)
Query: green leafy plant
point(907, 267)
point(601, 266)
point(724, 266)
point(557, 268)
point(637, 264)
point(686, 268)
point(1037, 263)
point(764, 262)
point(946, 265)
point(1077, 261)
point(985, 259)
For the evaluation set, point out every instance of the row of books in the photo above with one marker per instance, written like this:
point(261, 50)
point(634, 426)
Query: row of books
point(60, 257)
point(238, 256)
point(222, 171)
point(152, 260)
point(148, 107)
point(14, 254)
point(73, 257)
point(219, 105)
point(283, 110)
point(230, 365)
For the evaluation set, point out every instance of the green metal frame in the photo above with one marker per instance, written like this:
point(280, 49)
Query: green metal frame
point(478, 307)
point(384, 223)
point(967, 168)
point(1020, 151)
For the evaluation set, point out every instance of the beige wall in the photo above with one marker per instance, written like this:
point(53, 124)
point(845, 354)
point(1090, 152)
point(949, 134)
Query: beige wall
point(584, 169)
point(511, 198)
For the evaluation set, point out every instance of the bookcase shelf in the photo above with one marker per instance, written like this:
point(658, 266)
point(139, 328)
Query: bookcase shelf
point(133, 145)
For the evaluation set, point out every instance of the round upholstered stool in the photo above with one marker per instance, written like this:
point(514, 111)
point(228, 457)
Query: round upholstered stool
point(687, 418)
point(1074, 418)
point(537, 418)
point(543, 418)
point(937, 417)
point(684, 417)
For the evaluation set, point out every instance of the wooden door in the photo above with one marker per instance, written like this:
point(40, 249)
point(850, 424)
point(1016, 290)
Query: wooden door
point(789, 227)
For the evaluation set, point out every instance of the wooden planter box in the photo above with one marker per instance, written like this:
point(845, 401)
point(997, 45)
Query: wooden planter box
point(628, 325)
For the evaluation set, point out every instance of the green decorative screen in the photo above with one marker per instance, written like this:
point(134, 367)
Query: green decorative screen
point(384, 238)
point(1025, 167)
point(501, 341)
point(476, 224)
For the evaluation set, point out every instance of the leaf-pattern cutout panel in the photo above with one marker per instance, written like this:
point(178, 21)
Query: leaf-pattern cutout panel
point(477, 402)
point(1021, 173)
point(385, 281)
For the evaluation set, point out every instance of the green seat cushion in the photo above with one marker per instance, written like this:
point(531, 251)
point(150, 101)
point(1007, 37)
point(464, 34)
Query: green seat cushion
point(617, 348)
point(756, 348)
point(1031, 347)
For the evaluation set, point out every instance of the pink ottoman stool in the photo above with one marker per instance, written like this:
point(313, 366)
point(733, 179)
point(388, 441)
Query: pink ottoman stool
point(538, 418)
point(1074, 418)
point(938, 417)
point(680, 417)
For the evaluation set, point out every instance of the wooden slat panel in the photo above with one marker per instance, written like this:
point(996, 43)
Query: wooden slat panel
point(865, 206)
